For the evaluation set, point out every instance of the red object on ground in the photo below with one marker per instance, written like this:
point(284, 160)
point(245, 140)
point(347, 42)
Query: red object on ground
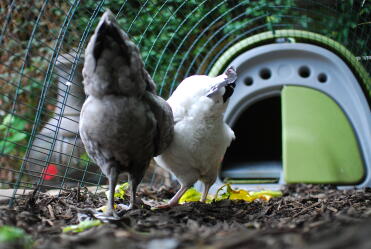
point(49, 172)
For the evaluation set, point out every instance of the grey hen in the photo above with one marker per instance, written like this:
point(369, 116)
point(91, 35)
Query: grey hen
point(123, 123)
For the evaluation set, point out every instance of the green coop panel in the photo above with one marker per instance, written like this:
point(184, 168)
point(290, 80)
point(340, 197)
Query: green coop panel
point(319, 145)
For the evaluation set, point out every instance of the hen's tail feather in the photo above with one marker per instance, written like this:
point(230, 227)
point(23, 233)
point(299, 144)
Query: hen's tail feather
point(109, 29)
point(113, 64)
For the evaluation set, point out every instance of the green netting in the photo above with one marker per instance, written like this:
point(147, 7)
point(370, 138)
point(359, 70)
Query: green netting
point(41, 54)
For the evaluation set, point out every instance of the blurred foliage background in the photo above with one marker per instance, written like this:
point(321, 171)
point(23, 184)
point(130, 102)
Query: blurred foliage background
point(176, 38)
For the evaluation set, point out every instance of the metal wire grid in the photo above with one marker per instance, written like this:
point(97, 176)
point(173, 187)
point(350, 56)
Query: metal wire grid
point(177, 38)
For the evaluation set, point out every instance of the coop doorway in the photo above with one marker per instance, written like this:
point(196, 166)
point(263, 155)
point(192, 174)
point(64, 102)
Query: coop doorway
point(255, 156)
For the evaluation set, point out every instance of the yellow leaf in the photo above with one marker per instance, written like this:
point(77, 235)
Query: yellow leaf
point(190, 195)
point(104, 208)
point(120, 190)
point(245, 195)
point(266, 194)
point(193, 195)
point(82, 226)
point(233, 194)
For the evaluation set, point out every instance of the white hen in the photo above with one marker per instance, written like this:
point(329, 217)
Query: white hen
point(201, 136)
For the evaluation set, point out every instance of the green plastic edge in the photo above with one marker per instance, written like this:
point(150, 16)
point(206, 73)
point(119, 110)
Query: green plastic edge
point(315, 38)
point(250, 181)
point(319, 144)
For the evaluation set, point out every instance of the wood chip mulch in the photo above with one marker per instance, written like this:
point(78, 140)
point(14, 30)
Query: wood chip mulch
point(307, 216)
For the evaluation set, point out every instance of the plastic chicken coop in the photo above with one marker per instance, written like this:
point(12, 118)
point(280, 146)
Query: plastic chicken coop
point(300, 111)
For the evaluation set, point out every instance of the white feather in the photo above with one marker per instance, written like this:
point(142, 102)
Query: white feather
point(201, 136)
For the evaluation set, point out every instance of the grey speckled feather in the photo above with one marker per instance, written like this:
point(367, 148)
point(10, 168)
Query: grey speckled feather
point(123, 123)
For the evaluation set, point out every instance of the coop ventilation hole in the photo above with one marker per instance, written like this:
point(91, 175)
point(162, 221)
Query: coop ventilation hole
point(304, 71)
point(255, 156)
point(265, 73)
point(248, 81)
point(322, 78)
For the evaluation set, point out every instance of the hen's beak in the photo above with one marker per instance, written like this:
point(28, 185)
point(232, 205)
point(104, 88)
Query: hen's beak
point(228, 81)
point(231, 74)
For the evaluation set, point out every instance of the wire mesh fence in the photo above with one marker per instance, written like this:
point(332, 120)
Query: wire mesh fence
point(42, 44)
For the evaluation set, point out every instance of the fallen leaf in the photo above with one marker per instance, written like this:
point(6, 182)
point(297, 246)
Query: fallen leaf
point(9, 234)
point(104, 208)
point(120, 190)
point(82, 226)
point(241, 194)
point(190, 195)
point(245, 195)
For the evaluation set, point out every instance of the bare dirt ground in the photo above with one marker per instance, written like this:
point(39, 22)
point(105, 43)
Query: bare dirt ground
point(307, 216)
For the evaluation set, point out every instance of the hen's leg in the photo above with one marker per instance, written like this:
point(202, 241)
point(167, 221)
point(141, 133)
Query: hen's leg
point(174, 201)
point(186, 179)
point(206, 191)
point(112, 176)
point(112, 179)
point(134, 180)
point(134, 185)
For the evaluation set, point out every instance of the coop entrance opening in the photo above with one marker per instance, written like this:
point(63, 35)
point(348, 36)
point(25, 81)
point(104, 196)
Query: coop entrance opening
point(255, 156)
